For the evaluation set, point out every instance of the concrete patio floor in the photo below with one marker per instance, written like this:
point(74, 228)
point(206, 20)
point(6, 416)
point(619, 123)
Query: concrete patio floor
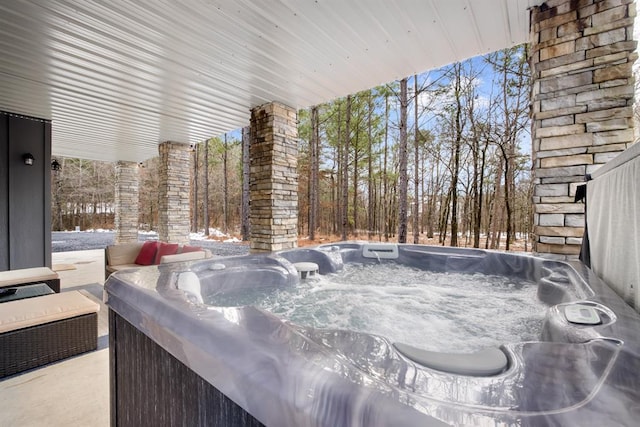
point(75, 391)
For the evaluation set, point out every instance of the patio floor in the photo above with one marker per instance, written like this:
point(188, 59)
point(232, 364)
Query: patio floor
point(75, 391)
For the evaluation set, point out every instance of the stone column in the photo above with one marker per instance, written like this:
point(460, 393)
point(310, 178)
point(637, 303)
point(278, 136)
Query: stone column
point(582, 100)
point(173, 204)
point(273, 178)
point(126, 197)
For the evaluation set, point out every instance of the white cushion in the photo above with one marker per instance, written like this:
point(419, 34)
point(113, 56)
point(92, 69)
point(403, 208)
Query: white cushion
point(187, 256)
point(44, 309)
point(123, 253)
point(26, 275)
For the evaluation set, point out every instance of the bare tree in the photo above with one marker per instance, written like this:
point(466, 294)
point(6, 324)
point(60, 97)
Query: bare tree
point(245, 227)
point(371, 210)
point(457, 70)
point(345, 171)
point(385, 179)
point(314, 169)
point(416, 163)
point(513, 76)
point(403, 180)
point(206, 189)
point(194, 190)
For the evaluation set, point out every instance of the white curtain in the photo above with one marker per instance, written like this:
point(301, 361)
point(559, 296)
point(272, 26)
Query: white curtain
point(613, 223)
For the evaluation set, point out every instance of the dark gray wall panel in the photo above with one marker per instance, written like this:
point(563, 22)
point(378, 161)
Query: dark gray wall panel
point(25, 192)
point(46, 203)
point(4, 192)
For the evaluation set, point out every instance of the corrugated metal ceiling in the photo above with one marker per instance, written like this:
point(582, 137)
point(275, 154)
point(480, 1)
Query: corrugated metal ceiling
point(119, 77)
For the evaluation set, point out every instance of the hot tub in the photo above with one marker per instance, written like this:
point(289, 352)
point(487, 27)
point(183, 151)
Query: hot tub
point(205, 343)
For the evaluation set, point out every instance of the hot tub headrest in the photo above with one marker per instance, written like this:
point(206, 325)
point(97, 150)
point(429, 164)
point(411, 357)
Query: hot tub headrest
point(327, 261)
point(189, 283)
point(491, 361)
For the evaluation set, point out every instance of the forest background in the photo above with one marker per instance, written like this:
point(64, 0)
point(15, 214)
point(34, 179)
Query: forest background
point(441, 158)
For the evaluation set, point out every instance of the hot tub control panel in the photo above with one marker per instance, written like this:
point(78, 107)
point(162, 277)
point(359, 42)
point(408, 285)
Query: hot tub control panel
point(582, 314)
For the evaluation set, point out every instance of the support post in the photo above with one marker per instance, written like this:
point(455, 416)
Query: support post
point(582, 107)
point(273, 178)
point(126, 198)
point(174, 192)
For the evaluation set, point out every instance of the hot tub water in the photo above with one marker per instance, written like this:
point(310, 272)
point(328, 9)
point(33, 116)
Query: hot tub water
point(453, 312)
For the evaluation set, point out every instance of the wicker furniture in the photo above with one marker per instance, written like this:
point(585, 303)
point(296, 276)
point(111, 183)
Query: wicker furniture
point(41, 330)
point(28, 276)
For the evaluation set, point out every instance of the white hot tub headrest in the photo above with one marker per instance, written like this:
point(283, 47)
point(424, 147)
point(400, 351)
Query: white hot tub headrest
point(189, 282)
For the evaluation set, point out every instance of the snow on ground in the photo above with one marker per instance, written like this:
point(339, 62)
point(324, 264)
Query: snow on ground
point(215, 233)
point(64, 241)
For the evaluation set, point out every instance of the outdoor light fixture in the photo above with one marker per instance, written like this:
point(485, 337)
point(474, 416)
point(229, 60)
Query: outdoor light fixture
point(28, 159)
point(55, 166)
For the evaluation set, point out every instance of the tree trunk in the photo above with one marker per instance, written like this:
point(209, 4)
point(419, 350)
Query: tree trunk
point(205, 200)
point(356, 158)
point(246, 174)
point(334, 203)
point(225, 188)
point(444, 216)
point(497, 223)
point(194, 226)
point(385, 180)
point(508, 183)
point(314, 166)
point(432, 198)
point(345, 171)
point(423, 161)
point(456, 158)
point(370, 183)
point(338, 180)
point(476, 237)
point(416, 166)
point(403, 178)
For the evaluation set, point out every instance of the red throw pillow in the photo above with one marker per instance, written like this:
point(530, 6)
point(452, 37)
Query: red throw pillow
point(147, 253)
point(186, 249)
point(166, 249)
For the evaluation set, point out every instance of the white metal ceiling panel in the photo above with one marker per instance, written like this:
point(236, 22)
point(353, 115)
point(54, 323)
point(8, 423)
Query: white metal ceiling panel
point(118, 77)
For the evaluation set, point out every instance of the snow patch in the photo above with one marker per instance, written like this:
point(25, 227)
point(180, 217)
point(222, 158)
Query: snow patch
point(215, 233)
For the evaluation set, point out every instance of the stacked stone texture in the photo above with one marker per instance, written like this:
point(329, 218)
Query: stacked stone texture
point(273, 186)
point(582, 107)
point(126, 199)
point(174, 192)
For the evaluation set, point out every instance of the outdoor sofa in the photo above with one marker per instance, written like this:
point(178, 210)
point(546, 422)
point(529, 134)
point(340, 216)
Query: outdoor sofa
point(138, 254)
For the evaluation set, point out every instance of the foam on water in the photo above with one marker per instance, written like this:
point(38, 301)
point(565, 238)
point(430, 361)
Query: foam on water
point(436, 311)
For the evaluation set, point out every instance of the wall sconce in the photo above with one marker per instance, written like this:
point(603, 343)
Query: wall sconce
point(55, 166)
point(28, 159)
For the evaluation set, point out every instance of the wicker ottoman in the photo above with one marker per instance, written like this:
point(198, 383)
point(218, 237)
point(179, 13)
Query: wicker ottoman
point(41, 330)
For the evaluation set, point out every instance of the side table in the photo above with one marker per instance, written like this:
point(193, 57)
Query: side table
point(27, 291)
